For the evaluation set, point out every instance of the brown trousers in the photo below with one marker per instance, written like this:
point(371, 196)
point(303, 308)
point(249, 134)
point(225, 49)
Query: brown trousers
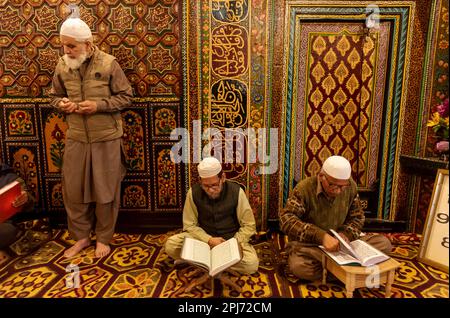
point(92, 174)
point(305, 261)
point(82, 217)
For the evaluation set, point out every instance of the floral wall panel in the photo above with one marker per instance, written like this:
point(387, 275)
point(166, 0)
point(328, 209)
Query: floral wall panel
point(20, 121)
point(26, 162)
point(165, 118)
point(54, 133)
point(20, 148)
point(435, 87)
point(53, 189)
point(436, 83)
point(135, 195)
point(135, 139)
point(166, 193)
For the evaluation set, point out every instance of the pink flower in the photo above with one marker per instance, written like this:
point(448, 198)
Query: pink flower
point(442, 146)
point(443, 108)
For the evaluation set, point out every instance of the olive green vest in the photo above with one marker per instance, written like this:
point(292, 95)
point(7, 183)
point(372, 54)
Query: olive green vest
point(94, 86)
point(321, 211)
point(218, 217)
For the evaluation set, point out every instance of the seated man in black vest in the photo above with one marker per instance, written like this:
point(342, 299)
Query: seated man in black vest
point(215, 211)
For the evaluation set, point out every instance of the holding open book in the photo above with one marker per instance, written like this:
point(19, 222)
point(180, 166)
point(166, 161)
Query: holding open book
point(356, 252)
point(214, 260)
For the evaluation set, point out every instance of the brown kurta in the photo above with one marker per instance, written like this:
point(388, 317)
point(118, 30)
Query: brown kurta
point(92, 172)
point(120, 89)
point(91, 187)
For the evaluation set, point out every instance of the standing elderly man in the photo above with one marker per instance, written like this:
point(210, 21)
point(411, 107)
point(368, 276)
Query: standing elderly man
point(90, 88)
point(317, 204)
point(215, 211)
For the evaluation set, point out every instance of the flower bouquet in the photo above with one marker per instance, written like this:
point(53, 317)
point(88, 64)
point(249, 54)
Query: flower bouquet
point(439, 125)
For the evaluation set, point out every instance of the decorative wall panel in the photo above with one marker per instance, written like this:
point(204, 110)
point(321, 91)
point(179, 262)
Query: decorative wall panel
point(166, 194)
point(136, 195)
point(135, 138)
point(165, 118)
point(54, 133)
point(26, 162)
point(435, 87)
point(436, 82)
point(341, 81)
point(345, 93)
point(233, 63)
point(144, 38)
point(54, 194)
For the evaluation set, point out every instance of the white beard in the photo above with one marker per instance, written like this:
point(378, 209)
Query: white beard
point(75, 64)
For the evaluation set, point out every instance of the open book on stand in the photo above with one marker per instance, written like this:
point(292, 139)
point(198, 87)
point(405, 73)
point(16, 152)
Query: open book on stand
point(214, 260)
point(8, 194)
point(356, 252)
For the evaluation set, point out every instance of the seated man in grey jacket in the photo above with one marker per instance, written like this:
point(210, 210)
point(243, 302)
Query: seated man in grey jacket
point(215, 211)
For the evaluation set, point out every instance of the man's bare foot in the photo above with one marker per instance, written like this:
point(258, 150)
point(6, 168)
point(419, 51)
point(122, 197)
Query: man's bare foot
point(102, 250)
point(77, 247)
point(4, 257)
point(226, 280)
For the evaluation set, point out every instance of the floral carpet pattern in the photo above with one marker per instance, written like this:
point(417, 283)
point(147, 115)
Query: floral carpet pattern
point(137, 267)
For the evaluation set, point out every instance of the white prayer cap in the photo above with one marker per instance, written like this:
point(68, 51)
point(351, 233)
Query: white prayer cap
point(209, 167)
point(337, 167)
point(76, 28)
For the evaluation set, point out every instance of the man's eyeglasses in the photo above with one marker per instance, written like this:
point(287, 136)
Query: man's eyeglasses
point(334, 185)
point(212, 186)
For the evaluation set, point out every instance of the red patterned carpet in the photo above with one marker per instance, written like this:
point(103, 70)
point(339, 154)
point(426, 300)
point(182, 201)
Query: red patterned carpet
point(138, 267)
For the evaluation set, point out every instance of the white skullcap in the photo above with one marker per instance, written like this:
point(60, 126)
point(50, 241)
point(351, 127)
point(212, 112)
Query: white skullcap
point(337, 167)
point(209, 167)
point(76, 28)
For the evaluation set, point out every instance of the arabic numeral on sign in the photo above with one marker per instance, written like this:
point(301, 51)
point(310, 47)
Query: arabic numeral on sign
point(444, 242)
point(442, 218)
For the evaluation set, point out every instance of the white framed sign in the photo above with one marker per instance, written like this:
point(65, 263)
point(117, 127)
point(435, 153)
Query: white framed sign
point(435, 241)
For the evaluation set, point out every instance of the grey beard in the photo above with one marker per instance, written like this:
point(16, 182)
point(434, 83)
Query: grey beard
point(75, 64)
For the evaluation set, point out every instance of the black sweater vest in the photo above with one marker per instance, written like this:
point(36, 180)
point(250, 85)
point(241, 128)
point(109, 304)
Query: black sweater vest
point(218, 217)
